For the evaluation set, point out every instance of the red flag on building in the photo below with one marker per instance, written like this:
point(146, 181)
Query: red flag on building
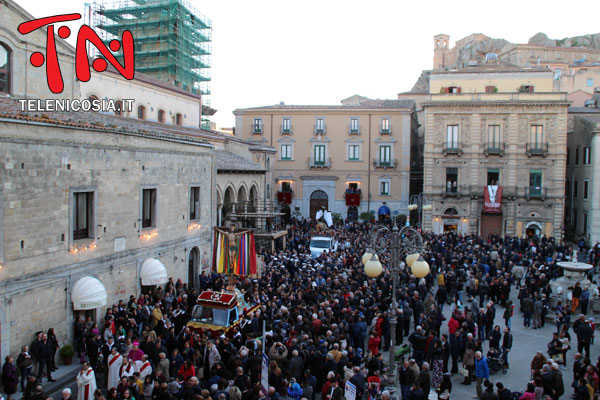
point(492, 199)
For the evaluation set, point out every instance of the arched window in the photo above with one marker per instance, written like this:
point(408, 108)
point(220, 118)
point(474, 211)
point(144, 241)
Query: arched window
point(179, 119)
point(5, 68)
point(161, 116)
point(91, 99)
point(118, 107)
point(141, 112)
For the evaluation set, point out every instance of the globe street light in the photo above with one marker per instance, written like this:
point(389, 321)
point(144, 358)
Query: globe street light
point(373, 267)
point(411, 258)
point(420, 268)
point(406, 241)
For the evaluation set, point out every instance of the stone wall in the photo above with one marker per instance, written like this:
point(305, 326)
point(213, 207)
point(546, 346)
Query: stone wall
point(41, 167)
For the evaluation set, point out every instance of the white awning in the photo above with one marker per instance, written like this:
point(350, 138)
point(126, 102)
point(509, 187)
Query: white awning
point(153, 272)
point(88, 293)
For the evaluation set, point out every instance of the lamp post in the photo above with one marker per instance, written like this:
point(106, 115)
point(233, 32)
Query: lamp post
point(405, 242)
point(419, 202)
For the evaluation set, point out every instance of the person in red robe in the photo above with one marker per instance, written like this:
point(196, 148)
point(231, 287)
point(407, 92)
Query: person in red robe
point(374, 342)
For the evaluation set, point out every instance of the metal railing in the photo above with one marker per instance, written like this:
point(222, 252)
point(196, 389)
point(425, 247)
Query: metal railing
point(536, 149)
point(319, 163)
point(494, 148)
point(354, 131)
point(257, 129)
point(452, 148)
point(285, 130)
point(320, 130)
point(385, 131)
point(390, 163)
point(535, 192)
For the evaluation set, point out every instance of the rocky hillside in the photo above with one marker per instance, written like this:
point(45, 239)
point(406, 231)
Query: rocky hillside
point(475, 50)
point(590, 41)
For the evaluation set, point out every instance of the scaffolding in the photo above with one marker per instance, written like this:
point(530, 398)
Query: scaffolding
point(172, 39)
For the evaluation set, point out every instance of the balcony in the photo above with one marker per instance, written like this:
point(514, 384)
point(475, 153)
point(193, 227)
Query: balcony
point(494, 149)
point(385, 131)
point(319, 163)
point(354, 130)
point(285, 130)
point(453, 191)
point(385, 164)
point(535, 192)
point(257, 129)
point(352, 198)
point(320, 129)
point(285, 197)
point(452, 148)
point(536, 149)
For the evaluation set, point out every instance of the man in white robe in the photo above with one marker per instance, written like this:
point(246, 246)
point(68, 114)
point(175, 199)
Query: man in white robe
point(86, 382)
point(127, 368)
point(143, 367)
point(115, 360)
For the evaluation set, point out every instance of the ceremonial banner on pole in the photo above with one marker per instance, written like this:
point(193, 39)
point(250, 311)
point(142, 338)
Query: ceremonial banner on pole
point(234, 252)
point(492, 199)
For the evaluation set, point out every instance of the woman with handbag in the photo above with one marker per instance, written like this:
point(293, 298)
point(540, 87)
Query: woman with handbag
point(24, 364)
point(469, 364)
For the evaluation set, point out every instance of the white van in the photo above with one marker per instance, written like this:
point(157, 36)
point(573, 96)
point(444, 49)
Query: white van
point(319, 244)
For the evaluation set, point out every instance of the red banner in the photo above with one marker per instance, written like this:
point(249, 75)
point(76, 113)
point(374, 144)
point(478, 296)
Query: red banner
point(217, 299)
point(492, 199)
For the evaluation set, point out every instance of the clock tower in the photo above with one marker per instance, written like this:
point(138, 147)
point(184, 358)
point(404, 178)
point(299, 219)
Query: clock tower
point(440, 48)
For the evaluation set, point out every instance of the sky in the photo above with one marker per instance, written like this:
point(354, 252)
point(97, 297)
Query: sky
point(319, 52)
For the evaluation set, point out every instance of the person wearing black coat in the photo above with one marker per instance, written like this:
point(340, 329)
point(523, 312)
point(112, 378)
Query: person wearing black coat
point(456, 350)
point(424, 380)
point(584, 337)
point(503, 393)
point(93, 346)
point(415, 393)
point(406, 377)
point(53, 342)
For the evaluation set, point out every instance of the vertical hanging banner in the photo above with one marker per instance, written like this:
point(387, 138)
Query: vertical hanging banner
point(492, 199)
point(234, 252)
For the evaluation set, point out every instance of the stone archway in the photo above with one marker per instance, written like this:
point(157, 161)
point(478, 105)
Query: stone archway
point(352, 213)
point(228, 201)
point(533, 228)
point(318, 201)
point(242, 199)
point(253, 199)
point(193, 263)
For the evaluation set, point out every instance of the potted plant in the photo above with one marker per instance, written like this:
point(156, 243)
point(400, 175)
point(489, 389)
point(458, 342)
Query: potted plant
point(66, 352)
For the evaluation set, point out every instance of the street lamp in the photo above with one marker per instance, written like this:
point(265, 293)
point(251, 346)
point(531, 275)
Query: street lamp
point(418, 202)
point(407, 243)
point(373, 267)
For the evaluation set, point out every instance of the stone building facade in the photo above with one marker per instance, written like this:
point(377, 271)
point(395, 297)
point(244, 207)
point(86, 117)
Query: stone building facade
point(582, 188)
point(501, 126)
point(348, 159)
point(128, 192)
point(98, 195)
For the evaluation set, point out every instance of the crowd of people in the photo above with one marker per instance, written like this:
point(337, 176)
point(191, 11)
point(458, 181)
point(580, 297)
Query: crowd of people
point(327, 323)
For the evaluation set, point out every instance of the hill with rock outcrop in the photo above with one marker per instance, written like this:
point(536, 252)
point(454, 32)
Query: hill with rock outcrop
point(590, 41)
